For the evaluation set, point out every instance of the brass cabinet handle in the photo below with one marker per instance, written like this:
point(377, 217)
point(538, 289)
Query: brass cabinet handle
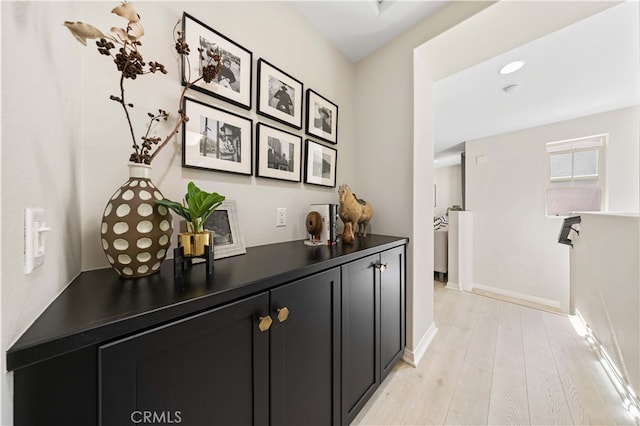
point(283, 314)
point(264, 323)
point(381, 266)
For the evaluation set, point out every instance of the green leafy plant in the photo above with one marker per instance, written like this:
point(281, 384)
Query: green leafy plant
point(196, 207)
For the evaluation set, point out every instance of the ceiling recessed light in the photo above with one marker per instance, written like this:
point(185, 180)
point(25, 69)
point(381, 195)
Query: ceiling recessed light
point(511, 67)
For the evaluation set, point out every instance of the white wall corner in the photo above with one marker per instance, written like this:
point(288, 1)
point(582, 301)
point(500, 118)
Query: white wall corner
point(414, 357)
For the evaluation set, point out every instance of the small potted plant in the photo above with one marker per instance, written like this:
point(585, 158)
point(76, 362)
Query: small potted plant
point(196, 208)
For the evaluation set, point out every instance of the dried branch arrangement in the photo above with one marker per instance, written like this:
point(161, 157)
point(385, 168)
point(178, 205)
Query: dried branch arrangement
point(123, 46)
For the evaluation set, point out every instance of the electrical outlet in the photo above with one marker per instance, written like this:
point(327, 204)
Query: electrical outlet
point(281, 216)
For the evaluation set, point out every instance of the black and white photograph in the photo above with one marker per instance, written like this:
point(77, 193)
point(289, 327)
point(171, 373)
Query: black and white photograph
point(227, 236)
point(321, 164)
point(229, 74)
point(220, 140)
point(219, 224)
point(216, 139)
point(233, 82)
point(322, 117)
point(278, 153)
point(279, 95)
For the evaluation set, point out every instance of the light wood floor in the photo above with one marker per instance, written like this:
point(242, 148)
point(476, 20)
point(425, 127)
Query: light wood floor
point(496, 363)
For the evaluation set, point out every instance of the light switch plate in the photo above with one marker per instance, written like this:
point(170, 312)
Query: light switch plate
point(34, 229)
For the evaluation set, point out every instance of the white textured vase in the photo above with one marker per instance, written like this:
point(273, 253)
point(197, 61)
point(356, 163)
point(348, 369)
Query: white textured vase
point(136, 232)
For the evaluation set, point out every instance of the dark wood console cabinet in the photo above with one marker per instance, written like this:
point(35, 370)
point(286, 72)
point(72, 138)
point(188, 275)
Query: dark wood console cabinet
point(373, 326)
point(115, 352)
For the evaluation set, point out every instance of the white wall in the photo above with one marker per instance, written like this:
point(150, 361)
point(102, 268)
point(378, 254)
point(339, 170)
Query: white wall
point(515, 243)
point(604, 286)
point(41, 163)
point(460, 250)
point(395, 160)
point(295, 48)
point(448, 181)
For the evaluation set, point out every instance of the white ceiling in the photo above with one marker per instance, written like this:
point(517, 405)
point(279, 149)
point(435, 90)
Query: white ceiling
point(588, 67)
point(358, 28)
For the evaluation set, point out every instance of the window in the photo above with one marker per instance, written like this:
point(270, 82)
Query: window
point(575, 179)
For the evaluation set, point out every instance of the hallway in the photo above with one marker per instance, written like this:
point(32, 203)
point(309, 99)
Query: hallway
point(494, 363)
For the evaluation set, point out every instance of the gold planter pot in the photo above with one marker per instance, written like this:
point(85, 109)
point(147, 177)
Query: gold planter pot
point(193, 243)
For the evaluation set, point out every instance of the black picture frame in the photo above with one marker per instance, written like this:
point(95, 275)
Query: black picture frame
point(322, 117)
point(278, 154)
point(321, 164)
point(279, 95)
point(233, 83)
point(215, 139)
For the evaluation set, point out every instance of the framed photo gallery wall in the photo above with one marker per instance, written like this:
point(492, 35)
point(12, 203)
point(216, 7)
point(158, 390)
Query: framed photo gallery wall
point(220, 140)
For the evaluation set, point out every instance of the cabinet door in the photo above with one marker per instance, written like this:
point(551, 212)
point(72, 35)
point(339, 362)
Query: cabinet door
point(305, 351)
point(210, 368)
point(360, 344)
point(392, 308)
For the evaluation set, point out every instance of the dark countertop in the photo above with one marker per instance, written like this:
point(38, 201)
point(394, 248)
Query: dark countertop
point(99, 306)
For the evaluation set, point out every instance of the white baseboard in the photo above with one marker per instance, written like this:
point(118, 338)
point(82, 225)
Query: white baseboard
point(414, 357)
point(522, 296)
point(454, 286)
